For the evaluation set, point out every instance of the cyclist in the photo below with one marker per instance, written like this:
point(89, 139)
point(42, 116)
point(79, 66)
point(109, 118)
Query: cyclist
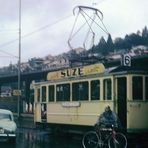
point(106, 132)
point(108, 118)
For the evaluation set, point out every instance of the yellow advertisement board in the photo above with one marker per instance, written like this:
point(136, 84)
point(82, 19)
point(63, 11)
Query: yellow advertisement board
point(76, 71)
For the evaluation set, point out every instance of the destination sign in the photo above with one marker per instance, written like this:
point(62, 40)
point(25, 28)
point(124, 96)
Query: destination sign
point(77, 71)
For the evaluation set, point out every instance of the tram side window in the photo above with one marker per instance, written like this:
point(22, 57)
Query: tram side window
point(107, 89)
point(51, 93)
point(43, 94)
point(38, 95)
point(95, 90)
point(80, 91)
point(146, 88)
point(63, 92)
point(137, 88)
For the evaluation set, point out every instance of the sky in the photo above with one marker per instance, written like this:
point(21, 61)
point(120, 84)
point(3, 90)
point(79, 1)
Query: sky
point(46, 25)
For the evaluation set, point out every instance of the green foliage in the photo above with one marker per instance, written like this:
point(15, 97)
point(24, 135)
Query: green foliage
point(133, 39)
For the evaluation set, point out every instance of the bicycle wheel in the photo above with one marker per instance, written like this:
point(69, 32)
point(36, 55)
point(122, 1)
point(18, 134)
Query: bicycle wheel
point(90, 140)
point(118, 141)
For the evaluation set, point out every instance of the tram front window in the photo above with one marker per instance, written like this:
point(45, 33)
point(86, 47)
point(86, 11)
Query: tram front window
point(80, 91)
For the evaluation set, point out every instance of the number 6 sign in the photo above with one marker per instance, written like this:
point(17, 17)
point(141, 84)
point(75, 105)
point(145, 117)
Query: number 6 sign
point(126, 60)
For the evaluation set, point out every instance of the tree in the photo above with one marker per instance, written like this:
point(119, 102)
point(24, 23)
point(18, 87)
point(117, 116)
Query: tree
point(110, 44)
point(127, 42)
point(102, 46)
point(145, 32)
point(145, 36)
point(118, 43)
point(135, 39)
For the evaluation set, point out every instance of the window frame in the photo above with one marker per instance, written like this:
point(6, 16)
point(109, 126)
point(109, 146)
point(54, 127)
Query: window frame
point(82, 96)
point(51, 93)
point(97, 95)
point(58, 96)
point(136, 89)
point(43, 93)
point(107, 92)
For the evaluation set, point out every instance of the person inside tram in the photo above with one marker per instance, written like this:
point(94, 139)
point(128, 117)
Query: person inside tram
point(108, 119)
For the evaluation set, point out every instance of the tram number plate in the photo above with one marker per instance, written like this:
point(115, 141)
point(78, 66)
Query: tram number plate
point(126, 60)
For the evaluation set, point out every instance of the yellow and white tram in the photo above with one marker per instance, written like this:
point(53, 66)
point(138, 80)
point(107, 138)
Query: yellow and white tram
point(75, 97)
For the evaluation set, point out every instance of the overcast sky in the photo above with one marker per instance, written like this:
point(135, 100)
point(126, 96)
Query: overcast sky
point(46, 24)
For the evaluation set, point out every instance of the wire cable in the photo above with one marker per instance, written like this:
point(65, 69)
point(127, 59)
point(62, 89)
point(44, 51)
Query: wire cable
point(31, 33)
point(35, 31)
point(8, 53)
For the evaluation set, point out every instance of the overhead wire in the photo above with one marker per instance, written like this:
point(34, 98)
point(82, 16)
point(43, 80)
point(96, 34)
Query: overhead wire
point(45, 27)
point(33, 32)
point(8, 53)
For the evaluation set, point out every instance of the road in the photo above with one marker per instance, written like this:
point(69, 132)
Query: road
point(31, 138)
point(35, 138)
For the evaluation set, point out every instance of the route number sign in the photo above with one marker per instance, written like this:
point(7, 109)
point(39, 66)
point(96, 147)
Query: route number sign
point(126, 60)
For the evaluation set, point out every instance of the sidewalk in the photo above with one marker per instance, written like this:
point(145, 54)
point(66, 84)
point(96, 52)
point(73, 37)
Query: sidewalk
point(24, 121)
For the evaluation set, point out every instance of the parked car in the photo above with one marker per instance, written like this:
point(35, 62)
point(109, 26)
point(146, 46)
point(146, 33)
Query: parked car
point(7, 126)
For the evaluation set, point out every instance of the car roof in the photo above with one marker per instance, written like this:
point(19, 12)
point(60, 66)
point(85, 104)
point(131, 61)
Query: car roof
point(5, 111)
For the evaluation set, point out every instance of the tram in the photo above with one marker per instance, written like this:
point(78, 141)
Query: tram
point(74, 98)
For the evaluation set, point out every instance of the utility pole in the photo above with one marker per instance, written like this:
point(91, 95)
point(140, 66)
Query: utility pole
point(19, 60)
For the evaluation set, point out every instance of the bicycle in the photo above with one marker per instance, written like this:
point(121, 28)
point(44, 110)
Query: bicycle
point(104, 137)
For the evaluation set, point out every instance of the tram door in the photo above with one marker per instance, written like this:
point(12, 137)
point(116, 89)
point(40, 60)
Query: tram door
point(43, 104)
point(43, 112)
point(122, 100)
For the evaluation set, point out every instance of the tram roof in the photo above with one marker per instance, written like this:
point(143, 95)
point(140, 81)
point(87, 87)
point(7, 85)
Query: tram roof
point(119, 70)
point(129, 70)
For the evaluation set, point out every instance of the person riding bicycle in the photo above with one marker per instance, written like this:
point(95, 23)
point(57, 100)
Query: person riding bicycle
point(107, 132)
point(108, 118)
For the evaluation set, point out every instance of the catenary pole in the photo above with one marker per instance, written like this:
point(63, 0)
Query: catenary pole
point(19, 60)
